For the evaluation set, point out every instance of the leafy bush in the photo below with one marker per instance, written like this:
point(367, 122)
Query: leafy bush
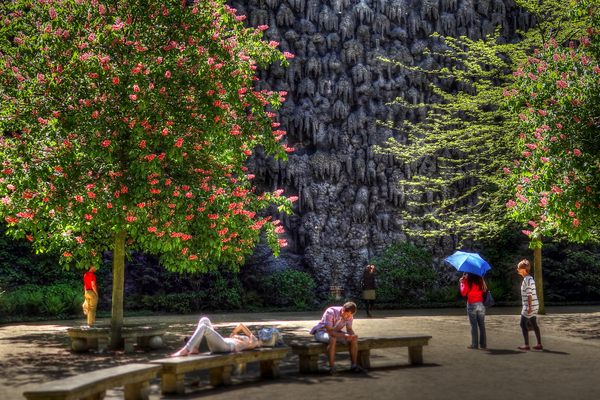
point(19, 265)
point(444, 295)
point(62, 299)
point(180, 303)
point(404, 274)
point(26, 300)
point(217, 290)
point(225, 292)
point(289, 288)
point(42, 301)
point(571, 275)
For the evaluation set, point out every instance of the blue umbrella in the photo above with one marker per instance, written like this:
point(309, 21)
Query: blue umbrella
point(468, 262)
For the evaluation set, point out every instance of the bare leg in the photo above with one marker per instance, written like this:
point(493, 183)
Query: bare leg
point(353, 347)
point(331, 351)
point(194, 341)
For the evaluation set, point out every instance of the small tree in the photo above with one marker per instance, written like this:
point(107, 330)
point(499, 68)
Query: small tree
point(457, 149)
point(556, 179)
point(127, 125)
point(467, 137)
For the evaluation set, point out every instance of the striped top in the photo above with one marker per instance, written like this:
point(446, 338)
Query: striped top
point(528, 289)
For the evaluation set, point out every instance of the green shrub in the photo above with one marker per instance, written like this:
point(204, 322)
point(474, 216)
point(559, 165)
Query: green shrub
point(252, 300)
point(180, 303)
point(25, 301)
point(224, 292)
point(571, 275)
point(42, 301)
point(20, 265)
point(404, 274)
point(449, 295)
point(289, 288)
point(62, 299)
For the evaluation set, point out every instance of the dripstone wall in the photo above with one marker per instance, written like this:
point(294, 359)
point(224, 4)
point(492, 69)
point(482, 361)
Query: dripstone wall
point(337, 90)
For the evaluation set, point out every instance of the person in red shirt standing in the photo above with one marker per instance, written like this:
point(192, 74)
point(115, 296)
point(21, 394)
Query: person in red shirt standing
point(90, 293)
point(473, 287)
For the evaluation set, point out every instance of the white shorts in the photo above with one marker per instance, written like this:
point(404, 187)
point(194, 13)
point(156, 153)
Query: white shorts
point(323, 337)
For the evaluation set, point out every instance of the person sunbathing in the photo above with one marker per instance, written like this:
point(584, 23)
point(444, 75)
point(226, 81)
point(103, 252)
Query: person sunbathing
point(241, 338)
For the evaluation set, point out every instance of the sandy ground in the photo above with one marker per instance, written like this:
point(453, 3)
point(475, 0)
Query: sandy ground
point(566, 369)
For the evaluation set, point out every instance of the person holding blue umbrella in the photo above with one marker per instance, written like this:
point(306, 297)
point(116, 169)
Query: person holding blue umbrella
point(472, 286)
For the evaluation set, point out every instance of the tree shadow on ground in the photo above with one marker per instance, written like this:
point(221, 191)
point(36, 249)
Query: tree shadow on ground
point(33, 358)
point(250, 380)
point(48, 356)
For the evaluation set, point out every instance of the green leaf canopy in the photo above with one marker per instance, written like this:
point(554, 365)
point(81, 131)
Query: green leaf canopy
point(135, 117)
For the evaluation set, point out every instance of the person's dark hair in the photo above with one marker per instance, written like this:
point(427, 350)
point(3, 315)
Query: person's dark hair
point(473, 279)
point(349, 306)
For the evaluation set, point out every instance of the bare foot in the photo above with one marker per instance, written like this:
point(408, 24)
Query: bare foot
point(180, 353)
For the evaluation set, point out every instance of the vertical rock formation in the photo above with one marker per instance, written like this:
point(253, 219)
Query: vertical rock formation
point(338, 89)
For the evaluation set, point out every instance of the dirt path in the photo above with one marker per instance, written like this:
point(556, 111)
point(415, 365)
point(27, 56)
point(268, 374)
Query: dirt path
point(33, 353)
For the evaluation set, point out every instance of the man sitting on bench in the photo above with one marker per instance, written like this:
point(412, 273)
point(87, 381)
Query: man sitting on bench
point(216, 342)
point(330, 330)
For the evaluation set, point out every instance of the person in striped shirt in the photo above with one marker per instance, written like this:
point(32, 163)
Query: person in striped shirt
point(530, 306)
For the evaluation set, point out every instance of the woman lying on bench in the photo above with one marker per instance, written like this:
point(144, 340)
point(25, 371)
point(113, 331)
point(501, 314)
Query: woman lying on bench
point(217, 343)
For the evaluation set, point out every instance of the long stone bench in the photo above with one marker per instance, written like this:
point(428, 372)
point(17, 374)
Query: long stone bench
point(85, 338)
point(135, 378)
point(309, 351)
point(143, 336)
point(220, 366)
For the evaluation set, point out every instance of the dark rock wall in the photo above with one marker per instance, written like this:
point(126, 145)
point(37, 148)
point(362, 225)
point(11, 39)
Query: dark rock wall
point(338, 89)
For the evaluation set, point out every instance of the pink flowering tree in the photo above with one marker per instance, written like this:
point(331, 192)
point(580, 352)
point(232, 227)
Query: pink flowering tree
point(556, 97)
point(127, 126)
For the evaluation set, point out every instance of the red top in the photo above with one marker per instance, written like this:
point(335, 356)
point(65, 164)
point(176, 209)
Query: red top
point(473, 292)
point(88, 278)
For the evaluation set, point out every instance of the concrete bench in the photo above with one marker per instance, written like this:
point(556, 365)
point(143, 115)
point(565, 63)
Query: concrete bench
point(85, 338)
point(220, 366)
point(93, 385)
point(308, 351)
point(143, 336)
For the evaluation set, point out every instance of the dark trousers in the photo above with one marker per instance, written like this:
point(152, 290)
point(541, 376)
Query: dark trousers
point(525, 330)
point(369, 306)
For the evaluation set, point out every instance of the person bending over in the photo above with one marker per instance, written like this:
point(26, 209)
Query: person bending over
point(330, 330)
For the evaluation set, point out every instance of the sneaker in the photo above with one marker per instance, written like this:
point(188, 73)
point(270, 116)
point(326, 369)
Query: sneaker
point(538, 347)
point(523, 348)
point(472, 347)
point(357, 369)
point(332, 371)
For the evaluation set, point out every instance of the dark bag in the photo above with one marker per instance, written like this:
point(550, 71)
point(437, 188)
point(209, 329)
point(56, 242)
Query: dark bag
point(488, 299)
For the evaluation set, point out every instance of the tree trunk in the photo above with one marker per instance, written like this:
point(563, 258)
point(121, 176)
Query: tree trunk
point(116, 320)
point(539, 280)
